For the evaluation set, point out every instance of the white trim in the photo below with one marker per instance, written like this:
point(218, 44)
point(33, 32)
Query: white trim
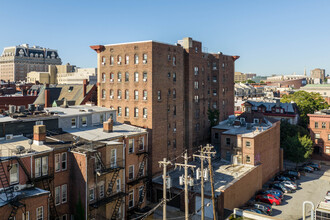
point(138, 42)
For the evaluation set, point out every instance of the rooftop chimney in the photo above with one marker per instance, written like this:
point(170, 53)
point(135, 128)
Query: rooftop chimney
point(85, 83)
point(39, 134)
point(108, 126)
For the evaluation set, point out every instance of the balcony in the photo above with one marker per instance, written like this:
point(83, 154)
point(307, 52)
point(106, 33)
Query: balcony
point(141, 152)
point(136, 180)
point(104, 169)
point(107, 199)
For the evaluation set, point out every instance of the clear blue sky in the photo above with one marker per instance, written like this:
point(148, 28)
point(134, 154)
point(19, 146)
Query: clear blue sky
point(272, 37)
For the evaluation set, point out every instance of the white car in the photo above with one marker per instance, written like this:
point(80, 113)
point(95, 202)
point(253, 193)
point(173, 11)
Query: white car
point(290, 184)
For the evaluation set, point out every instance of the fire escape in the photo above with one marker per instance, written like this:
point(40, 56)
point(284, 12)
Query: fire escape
point(111, 194)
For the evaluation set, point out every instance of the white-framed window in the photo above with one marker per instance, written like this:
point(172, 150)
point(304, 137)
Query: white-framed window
point(145, 113)
point(327, 150)
point(119, 60)
point(130, 146)
point(145, 76)
point(145, 58)
point(196, 70)
point(111, 94)
point(112, 60)
point(103, 60)
point(44, 166)
point(248, 159)
point(174, 60)
point(26, 215)
point(136, 77)
point(112, 77)
point(126, 76)
point(73, 123)
point(101, 191)
point(248, 144)
point(57, 195)
point(64, 160)
point(40, 213)
point(328, 137)
point(14, 173)
point(145, 94)
point(119, 94)
point(131, 172)
point(196, 98)
point(136, 112)
point(37, 167)
point(118, 186)
point(136, 59)
point(126, 111)
point(104, 94)
point(103, 77)
point(159, 95)
point(64, 193)
point(136, 95)
point(57, 162)
point(84, 121)
point(141, 143)
point(317, 136)
point(196, 84)
point(119, 76)
point(126, 94)
point(131, 199)
point(126, 59)
point(91, 194)
point(119, 111)
point(141, 197)
point(113, 158)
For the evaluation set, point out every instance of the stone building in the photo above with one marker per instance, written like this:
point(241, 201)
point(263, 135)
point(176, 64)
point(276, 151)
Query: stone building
point(17, 61)
point(318, 74)
point(166, 89)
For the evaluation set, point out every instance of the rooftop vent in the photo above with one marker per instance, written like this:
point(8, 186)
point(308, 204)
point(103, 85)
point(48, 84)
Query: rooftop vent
point(20, 149)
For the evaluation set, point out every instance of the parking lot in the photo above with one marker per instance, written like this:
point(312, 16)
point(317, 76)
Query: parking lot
point(311, 187)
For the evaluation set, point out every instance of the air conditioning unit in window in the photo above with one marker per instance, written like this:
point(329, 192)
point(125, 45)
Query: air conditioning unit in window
point(111, 97)
point(119, 97)
point(144, 116)
point(144, 98)
point(119, 80)
point(119, 63)
point(144, 80)
point(18, 188)
point(103, 63)
point(144, 61)
point(9, 136)
point(174, 129)
point(111, 80)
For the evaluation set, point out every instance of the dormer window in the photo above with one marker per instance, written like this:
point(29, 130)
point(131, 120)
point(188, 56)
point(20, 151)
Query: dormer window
point(31, 54)
point(21, 53)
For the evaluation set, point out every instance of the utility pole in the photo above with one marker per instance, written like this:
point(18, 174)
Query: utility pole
point(165, 163)
point(185, 166)
point(202, 157)
point(208, 151)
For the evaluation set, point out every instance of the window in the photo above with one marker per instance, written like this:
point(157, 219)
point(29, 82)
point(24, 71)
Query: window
point(119, 94)
point(113, 158)
point(103, 77)
point(84, 121)
point(247, 144)
point(196, 49)
point(39, 122)
point(196, 98)
point(37, 166)
point(64, 161)
point(196, 70)
point(327, 150)
point(57, 195)
point(216, 135)
point(136, 59)
point(196, 84)
point(174, 109)
point(136, 94)
point(159, 95)
point(145, 94)
point(228, 141)
point(174, 60)
point(145, 58)
point(214, 92)
point(141, 197)
point(174, 127)
point(316, 125)
point(174, 143)
point(126, 94)
point(328, 137)
point(26, 215)
point(119, 60)
point(64, 193)
point(248, 160)
point(57, 162)
point(40, 213)
point(174, 94)
point(119, 76)
point(323, 124)
point(14, 173)
point(131, 172)
point(145, 113)
point(214, 78)
point(169, 57)
point(169, 75)
point(103, 94)
point(91, 194)
point(73, 123)
point(130, 146)
point(136, 77)
point(174, 77)
point(111, 60)
point(119, 111)
point(126, 111)
point(126, 77)
point(112, 77)
point(41, 166)
point(141, 143)
point(317, 136)
point(126, 59)
point(97, 161)
point(136, 112)
point(214, 104)
point(131, 199)
point(118, 185)
point(145, 76)
point(101, 191)
point(64, 217)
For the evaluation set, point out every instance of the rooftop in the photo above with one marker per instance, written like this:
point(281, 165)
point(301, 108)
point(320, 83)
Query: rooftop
point(309, 86)
point(77, 110)
point(224, 176)
point(22, 194)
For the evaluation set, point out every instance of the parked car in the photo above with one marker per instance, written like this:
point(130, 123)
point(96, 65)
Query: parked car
point(274, 192)
point(290, 184)
point(307, 169)
point(264, 207)
point(255, 211)
point(315, 166)
point(269, 198)
point(293, 174)
point(281, 187)
point(281, 178)
point(328, 193)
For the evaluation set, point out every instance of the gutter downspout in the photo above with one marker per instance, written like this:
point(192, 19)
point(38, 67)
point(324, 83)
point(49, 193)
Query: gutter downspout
point(124, 176)
point(86, 189)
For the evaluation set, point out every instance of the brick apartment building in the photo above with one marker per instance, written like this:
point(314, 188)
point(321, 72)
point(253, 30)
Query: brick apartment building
point(251, 139)
point(319, 127)
point(166, 89)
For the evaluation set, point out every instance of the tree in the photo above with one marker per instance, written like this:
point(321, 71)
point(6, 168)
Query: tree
point(213, 116)
point(250, 81)
point(262, 81)
point(307, 144)
point(307, 103)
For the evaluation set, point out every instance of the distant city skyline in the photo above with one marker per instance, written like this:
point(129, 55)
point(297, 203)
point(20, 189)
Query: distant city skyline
point(271, 37)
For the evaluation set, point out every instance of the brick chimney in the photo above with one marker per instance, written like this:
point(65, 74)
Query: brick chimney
point(47, 97)
point(108, 126)
point(85, 83)
point(39, 134)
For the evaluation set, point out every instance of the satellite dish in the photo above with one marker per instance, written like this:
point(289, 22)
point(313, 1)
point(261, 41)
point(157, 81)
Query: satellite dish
point(30, 141)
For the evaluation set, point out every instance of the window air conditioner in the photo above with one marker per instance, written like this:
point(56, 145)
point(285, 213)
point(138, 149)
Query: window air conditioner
point(144, 61)
point(174, 129)
point(111, 97)
point(9, 136)
point(144, 80)
point(119, 97)
point(119, 63)
point(144, 116)
point(144, 98)
point(111, 80)
point(119, 80)
point(103, 63)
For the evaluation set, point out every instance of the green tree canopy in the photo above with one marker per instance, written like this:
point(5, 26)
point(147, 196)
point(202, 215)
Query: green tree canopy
point(250, 81)
point(307, 103)
point(213, 116)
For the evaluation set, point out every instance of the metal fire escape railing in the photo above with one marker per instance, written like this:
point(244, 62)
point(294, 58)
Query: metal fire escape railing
point(141, 173)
